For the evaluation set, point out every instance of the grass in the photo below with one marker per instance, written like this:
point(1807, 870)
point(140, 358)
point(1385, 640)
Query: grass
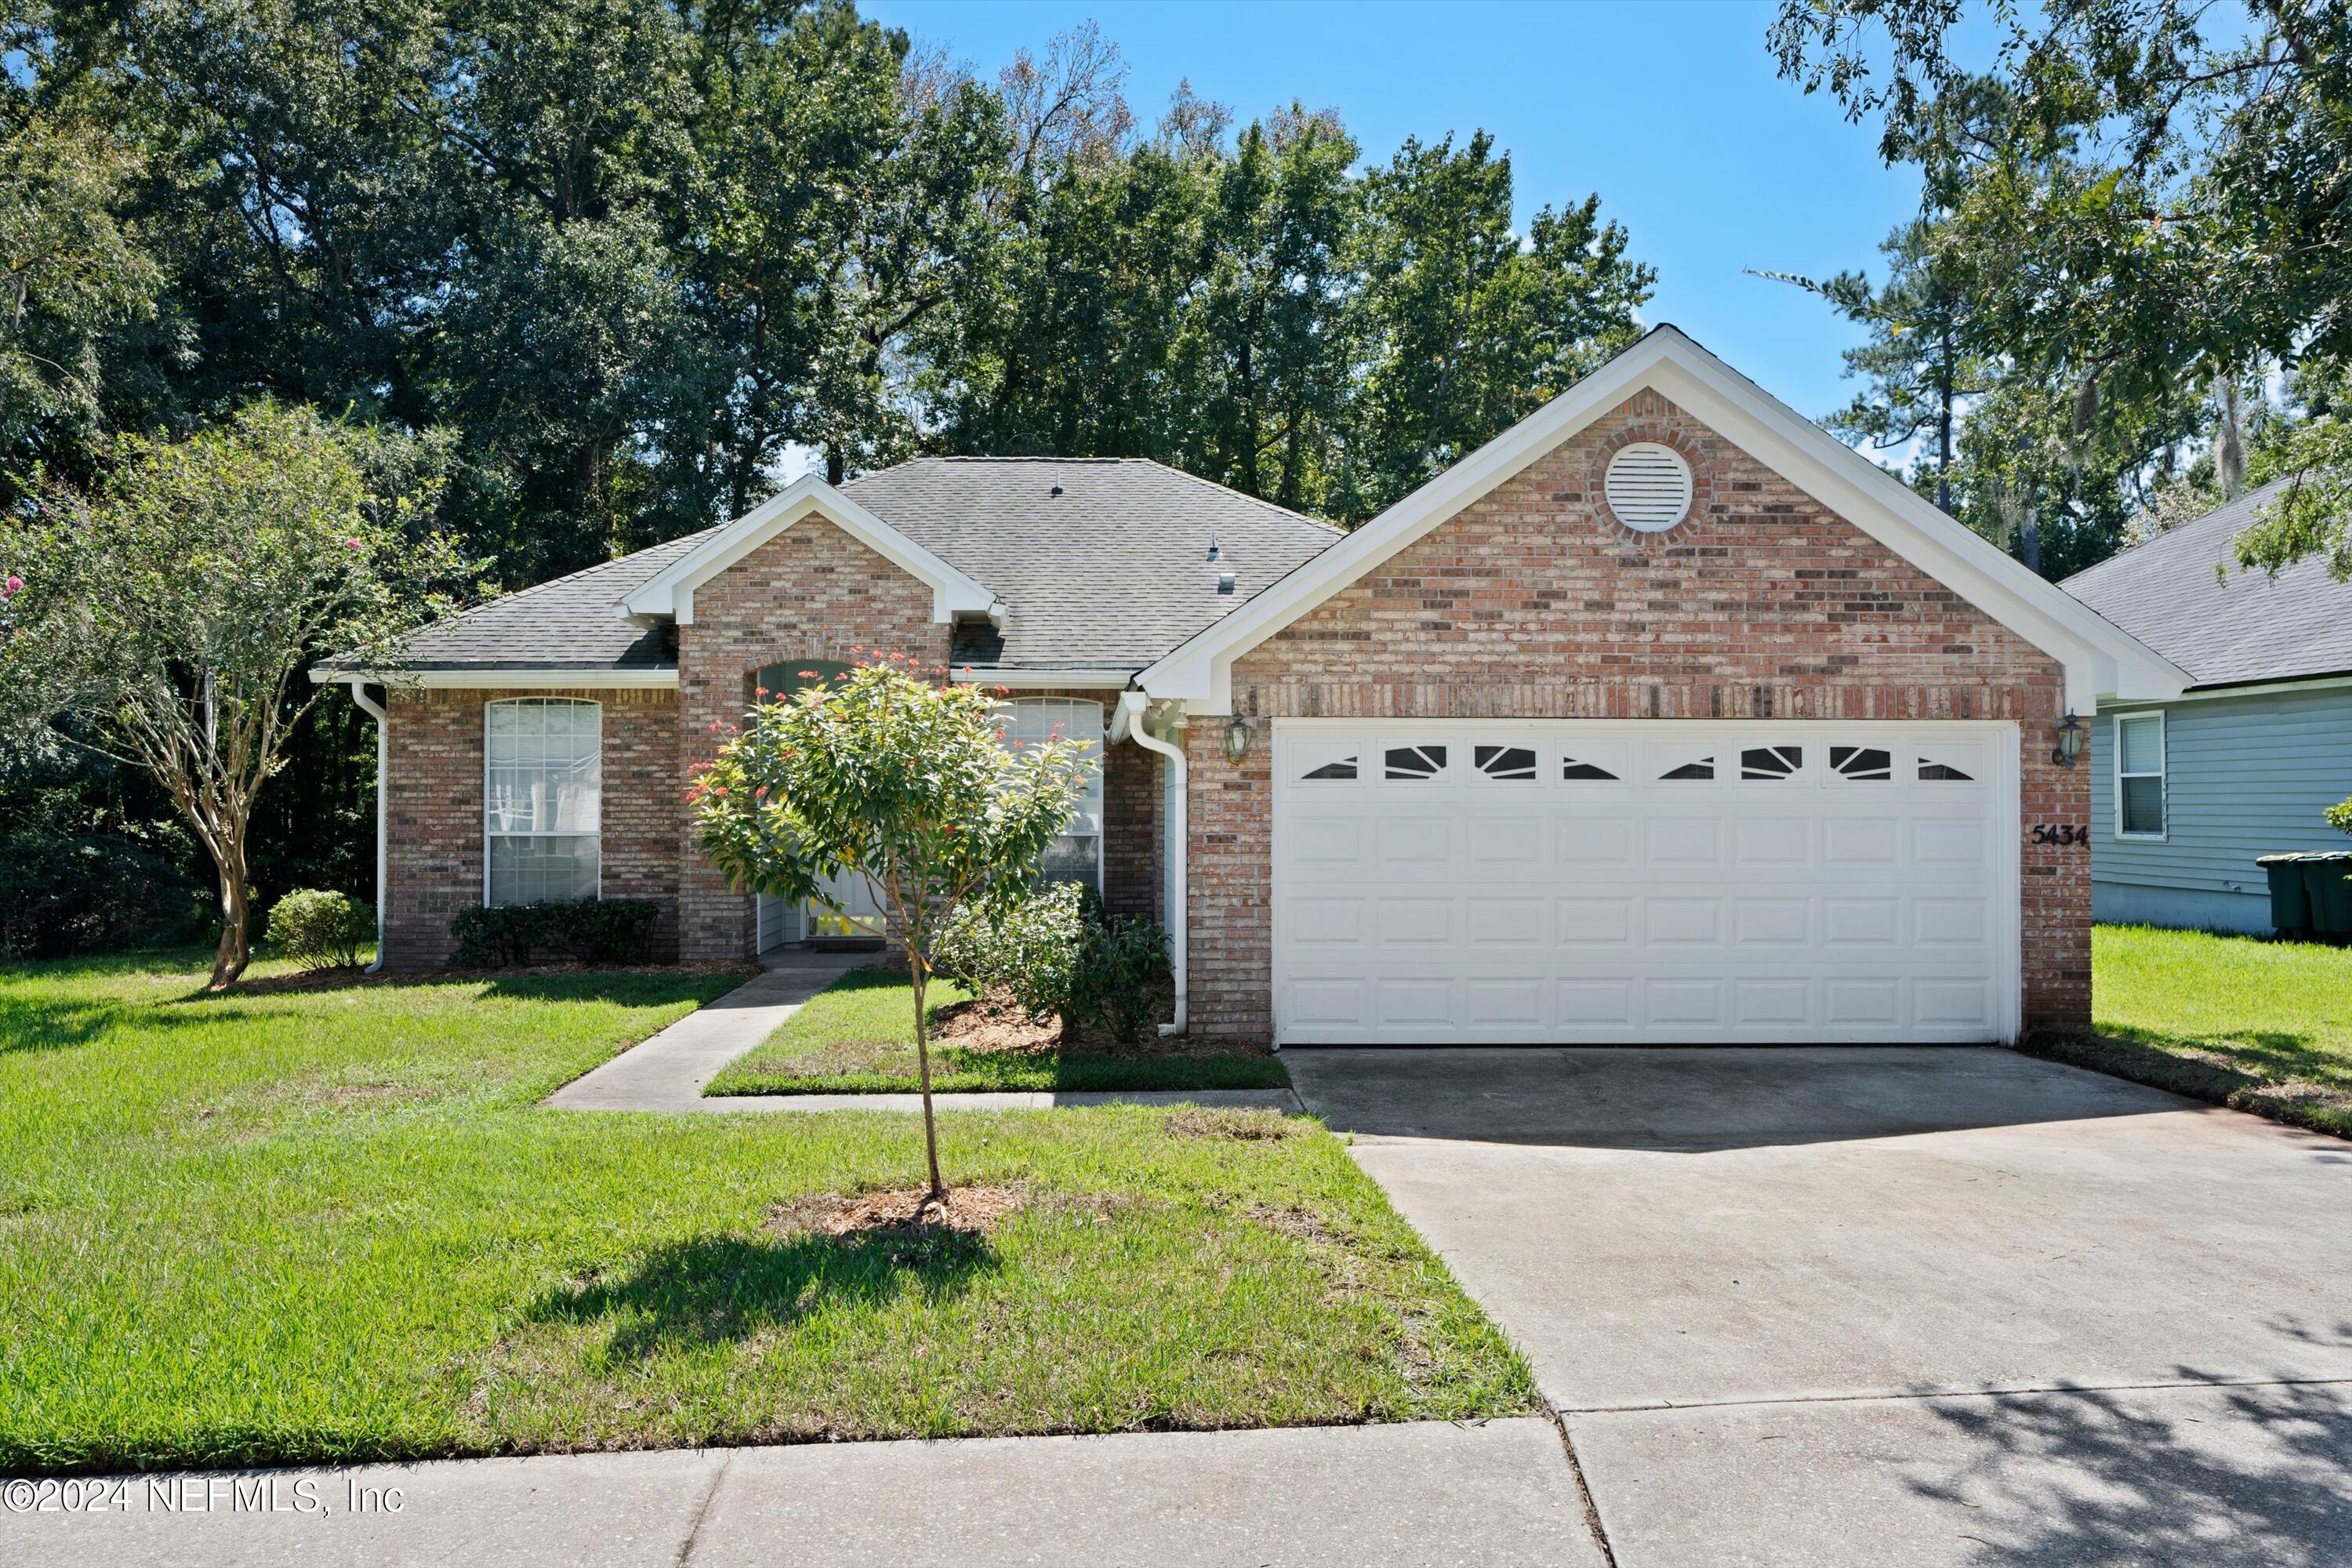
point(2260, 1026)
point(857, 1037)
point(334, 1225)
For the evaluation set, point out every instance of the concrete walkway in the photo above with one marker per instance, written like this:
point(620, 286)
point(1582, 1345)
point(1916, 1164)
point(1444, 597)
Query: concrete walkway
point(670, 1070)
point(1892, 1307)
point(1427, 1493)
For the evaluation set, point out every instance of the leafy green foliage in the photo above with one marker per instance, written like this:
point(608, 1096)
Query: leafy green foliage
point(321, 929)
point(64, 894)
point(579, 931)
point(2139, 200)
point(1031, 950)
point(887, 777)
point(1121, 979)
point(168, 619)
point(2339, 817)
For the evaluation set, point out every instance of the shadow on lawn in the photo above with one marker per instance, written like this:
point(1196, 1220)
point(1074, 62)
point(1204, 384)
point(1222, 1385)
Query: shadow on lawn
point(723, 1289)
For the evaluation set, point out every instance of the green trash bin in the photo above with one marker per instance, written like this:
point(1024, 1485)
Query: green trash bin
point(2290, 897)
point(2327, 879)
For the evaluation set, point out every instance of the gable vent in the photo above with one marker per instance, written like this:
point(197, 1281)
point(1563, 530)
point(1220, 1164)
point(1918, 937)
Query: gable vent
point(1649, 487)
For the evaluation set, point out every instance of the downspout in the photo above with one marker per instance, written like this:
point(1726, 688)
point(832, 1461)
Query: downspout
point(369, 705)
point(1131, 709)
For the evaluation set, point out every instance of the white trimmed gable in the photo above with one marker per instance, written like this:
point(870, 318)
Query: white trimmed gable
point(2100, 658)
point(669, 594)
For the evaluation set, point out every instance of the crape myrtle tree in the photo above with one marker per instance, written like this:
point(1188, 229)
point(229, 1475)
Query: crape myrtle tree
point(887, 775)
point(167, 619)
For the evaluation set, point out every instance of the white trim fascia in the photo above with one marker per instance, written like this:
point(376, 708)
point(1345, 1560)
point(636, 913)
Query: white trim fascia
point(2100, 657)
point(2218, 693)
point(539, 678)
point(670, 592)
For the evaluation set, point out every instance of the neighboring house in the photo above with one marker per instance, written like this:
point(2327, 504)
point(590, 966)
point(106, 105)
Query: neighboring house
point(2187, 792)
point(1663, 717)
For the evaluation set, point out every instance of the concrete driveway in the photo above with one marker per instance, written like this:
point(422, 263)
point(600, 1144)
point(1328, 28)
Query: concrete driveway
point(1891, 1305)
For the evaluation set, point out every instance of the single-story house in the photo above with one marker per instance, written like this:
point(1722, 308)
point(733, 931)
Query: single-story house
point(2187, 791)
point(1662, 717)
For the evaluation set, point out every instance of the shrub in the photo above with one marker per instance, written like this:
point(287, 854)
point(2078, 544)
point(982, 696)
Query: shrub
point(589, 930)
point(1120, 978)
point(319, 929)
point(64, 894)
point(1058, 956)
point(1032, 951)
point(2339, 817)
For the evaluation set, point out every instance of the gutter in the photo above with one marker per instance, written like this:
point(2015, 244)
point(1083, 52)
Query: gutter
point(1131, 717)
point(370, 705)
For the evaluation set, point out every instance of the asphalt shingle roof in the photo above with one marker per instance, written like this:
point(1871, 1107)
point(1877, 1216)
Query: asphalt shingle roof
point(1101, 562)
point(2224, 630)
point(565, 623)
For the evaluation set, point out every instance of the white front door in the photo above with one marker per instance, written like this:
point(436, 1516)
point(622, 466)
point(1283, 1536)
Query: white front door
point(1643, 882)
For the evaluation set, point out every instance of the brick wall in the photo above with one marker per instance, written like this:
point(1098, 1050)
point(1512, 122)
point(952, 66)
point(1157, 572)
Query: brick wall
point(812, 591)
point(1536, 603)
point(433, 811)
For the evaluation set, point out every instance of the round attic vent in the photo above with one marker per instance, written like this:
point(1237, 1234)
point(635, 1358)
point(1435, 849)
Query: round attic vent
point(1648, 486)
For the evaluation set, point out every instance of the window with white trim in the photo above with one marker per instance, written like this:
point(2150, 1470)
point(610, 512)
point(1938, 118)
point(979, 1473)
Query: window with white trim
point(543, 800)
point(2139, 775)
point(1077, 855)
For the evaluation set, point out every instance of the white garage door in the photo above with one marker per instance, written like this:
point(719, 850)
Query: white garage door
point(1654, 882)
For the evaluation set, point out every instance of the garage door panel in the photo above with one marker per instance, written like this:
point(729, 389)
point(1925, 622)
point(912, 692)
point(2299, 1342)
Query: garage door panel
point(1841, 882)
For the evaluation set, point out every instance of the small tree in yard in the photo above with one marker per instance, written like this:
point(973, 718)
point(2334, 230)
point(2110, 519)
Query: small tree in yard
point(166, 620)
point(887, 777)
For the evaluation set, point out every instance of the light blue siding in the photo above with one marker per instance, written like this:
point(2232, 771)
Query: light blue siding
point(2243, 776)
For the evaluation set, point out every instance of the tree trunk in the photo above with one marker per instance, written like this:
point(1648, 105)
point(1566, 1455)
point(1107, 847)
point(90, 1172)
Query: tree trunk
point(236, 950)
point(923, 1066)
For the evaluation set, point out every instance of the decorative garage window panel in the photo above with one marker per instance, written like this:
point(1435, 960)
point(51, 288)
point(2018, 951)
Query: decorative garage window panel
point(1862, 763)
point(1691, 771)
point(1510, 763)
point(1077, 855)
point(1415, 762)
point(1771, 762)
point(543, 800)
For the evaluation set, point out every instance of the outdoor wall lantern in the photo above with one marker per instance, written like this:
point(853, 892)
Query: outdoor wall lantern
point(1237, 739)
point(2070, 741)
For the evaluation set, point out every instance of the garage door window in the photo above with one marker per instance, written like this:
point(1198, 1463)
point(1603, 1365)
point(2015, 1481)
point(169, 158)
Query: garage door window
point(1571, 771)
point(1690, 772)
point(1862, 763)
point(1415, 762)
point(1510, 763)
point(1934, 772)
point(1334, 771)
point(1771, 762)
point(2139, 776)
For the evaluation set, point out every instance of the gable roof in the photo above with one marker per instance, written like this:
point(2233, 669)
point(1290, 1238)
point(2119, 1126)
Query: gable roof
point(670, 591)
point(1102, 562)
point(2099, 656)
point(2224, 630)
point(1091, 566)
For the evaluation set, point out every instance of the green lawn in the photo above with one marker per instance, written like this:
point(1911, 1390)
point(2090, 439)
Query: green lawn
point(334, 1225)
point(2264, 1026)
point(857, 1037)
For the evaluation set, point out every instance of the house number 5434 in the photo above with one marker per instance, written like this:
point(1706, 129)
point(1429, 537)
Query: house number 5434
point(2060, 833)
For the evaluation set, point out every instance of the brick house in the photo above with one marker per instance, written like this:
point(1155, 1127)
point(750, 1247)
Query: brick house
point(1663, 717)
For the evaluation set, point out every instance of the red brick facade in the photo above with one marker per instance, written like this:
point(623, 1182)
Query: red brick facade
point(1533, 603)
point(1536, 603)
point(812, 591)
point(433, 811)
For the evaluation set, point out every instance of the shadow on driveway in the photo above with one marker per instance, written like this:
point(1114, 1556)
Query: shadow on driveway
point(1698, 1098)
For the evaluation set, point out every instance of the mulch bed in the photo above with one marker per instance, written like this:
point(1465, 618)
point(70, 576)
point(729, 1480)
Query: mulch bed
point(991, 1024)
point(971, 1211)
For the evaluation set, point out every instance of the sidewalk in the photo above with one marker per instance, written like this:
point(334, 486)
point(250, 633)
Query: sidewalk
point(669, 1071)
point(1423, 1493)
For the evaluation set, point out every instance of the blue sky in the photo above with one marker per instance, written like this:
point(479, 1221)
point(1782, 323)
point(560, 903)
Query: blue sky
point(1671, 111)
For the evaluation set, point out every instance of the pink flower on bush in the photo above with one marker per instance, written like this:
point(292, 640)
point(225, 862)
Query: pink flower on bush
point(350, 544)
point(11, 588)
